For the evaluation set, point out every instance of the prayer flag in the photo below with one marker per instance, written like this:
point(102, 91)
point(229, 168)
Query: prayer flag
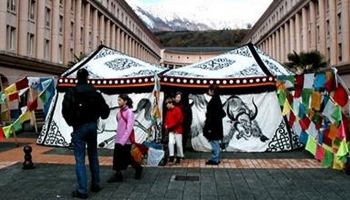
point(7, 130)
point(328, 159)
point(2, 136)
point(21, 84)
point(311, 145)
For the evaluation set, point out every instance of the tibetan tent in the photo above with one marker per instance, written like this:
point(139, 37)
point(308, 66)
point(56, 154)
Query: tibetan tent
point(112, 73)
point(247, 78)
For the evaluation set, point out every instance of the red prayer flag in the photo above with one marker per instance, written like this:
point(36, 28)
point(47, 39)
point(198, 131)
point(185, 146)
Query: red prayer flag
point(340, 95)
point(2, 136)
point(305, 123)
point(299, 82)
point(33, 105)
point(21, 84)
point(13, 96)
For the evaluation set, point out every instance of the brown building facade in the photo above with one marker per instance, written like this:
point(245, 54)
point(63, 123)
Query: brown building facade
point(42, 36)
point(303, 26)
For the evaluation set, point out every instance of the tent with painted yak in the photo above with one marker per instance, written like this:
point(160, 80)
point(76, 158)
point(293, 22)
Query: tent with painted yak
point(247, 81)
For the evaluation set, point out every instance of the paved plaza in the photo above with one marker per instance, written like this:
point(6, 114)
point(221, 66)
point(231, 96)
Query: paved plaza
point(284, 175)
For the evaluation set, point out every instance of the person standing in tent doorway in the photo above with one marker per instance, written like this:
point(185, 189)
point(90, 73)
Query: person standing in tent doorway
point(122, 157)
point(213, 128)
point(182, 102)
point(173, 125)
point(81, 108)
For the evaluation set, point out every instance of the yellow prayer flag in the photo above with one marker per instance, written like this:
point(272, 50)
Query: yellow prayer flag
point(337, 164)
point(10, 89)
point(286, 107)
point(25, 116)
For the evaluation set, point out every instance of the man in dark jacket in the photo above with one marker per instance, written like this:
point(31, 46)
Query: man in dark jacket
point(81, 108)
point(213, 128)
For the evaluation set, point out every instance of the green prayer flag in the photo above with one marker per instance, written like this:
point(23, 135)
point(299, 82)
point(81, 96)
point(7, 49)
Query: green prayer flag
point(17, 125)
point(343, 151)
point(306, 94)
point(337, 113)
point(7, 130)
point(311, 145)
point(281, 97)
point(328, 159)
point(44, 96)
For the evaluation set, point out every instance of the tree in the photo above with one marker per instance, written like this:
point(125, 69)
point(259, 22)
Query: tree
point(76, 59)
point(309, 62)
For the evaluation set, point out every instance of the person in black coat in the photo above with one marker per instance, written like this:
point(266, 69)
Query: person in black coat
point(213, 128)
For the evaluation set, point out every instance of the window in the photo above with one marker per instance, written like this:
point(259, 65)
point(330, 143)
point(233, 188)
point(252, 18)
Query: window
point(11, 37)
point(340, 52)
point(72, 30)
point(11, 5)
point(81, 34)
point(47, 49)
point(339, 22)
point(31, 9)
point(328, 28)
point(30, 44)
point(61, 24)
point(90, 38)
point(47, 17)
point(60, 55)
point(329, 55)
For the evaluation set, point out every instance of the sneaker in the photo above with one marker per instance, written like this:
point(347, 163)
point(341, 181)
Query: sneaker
point(138, 172)
point(79, 195)
point(211, 162)
point(95, 189)
point(171, 159)
point(115, 178)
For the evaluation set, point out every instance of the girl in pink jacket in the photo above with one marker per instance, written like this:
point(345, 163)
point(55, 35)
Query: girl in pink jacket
point(122, 149)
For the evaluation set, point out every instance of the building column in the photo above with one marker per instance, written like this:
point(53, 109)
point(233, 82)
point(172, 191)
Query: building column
point(67, 30)
point(345, 31)
point(108, 33)
point(22, 30)
point(40, 30)
point(95, 37)
point(333, 32)
point(118, 39)
point(313, 35)
point(278, 45)
point(55, 27)
point(297, 33)
point(78, 33)
point(286, 41)
point(282, 45)
point(3, 13)
point(305, 30)
point(322, 27)
point(291, 35)
point(113, 37)
point(87, 28)
point(102, 30)
point(122, 41)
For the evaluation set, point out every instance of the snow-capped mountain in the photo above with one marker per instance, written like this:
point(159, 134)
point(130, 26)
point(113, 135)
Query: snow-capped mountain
point(179, 15)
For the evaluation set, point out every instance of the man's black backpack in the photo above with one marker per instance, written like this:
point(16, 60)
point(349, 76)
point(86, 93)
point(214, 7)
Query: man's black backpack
point(83, 104)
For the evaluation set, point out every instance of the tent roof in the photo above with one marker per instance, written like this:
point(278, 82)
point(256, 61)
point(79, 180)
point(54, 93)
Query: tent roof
point(109, 68)
point(244, 66)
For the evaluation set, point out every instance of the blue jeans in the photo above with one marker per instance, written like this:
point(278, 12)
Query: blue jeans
point(86, 134)
point(215, 150)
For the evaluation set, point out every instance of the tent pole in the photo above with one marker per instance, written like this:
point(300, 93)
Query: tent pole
point(33, 112)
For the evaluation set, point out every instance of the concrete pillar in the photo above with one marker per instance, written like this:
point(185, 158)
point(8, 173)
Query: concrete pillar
point(87, 28)
point(102, 30)
point(322, 27)
point(286, 41)
point(55, 27)
point(78, 33)
point(345, 31)
point(313, 35)
point(108, 33)
point(305, 29)
point(118, 38)
point(278, 45)
point(292, 35)
point(113, 37)
point(3, 12)
point(22, 30)
point(67, 30)
point(95, 37)
point(333, 32)
point(40, 30)
point(297, 33)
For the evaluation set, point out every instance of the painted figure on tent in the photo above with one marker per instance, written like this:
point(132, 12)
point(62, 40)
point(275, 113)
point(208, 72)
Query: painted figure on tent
point(242, 120)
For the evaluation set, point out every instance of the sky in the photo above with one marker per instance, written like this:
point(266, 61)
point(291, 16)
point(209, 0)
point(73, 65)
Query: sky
point(243, 10)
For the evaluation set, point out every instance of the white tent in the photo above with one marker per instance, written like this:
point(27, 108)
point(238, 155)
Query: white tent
point(246, 76)
point(112, 73)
